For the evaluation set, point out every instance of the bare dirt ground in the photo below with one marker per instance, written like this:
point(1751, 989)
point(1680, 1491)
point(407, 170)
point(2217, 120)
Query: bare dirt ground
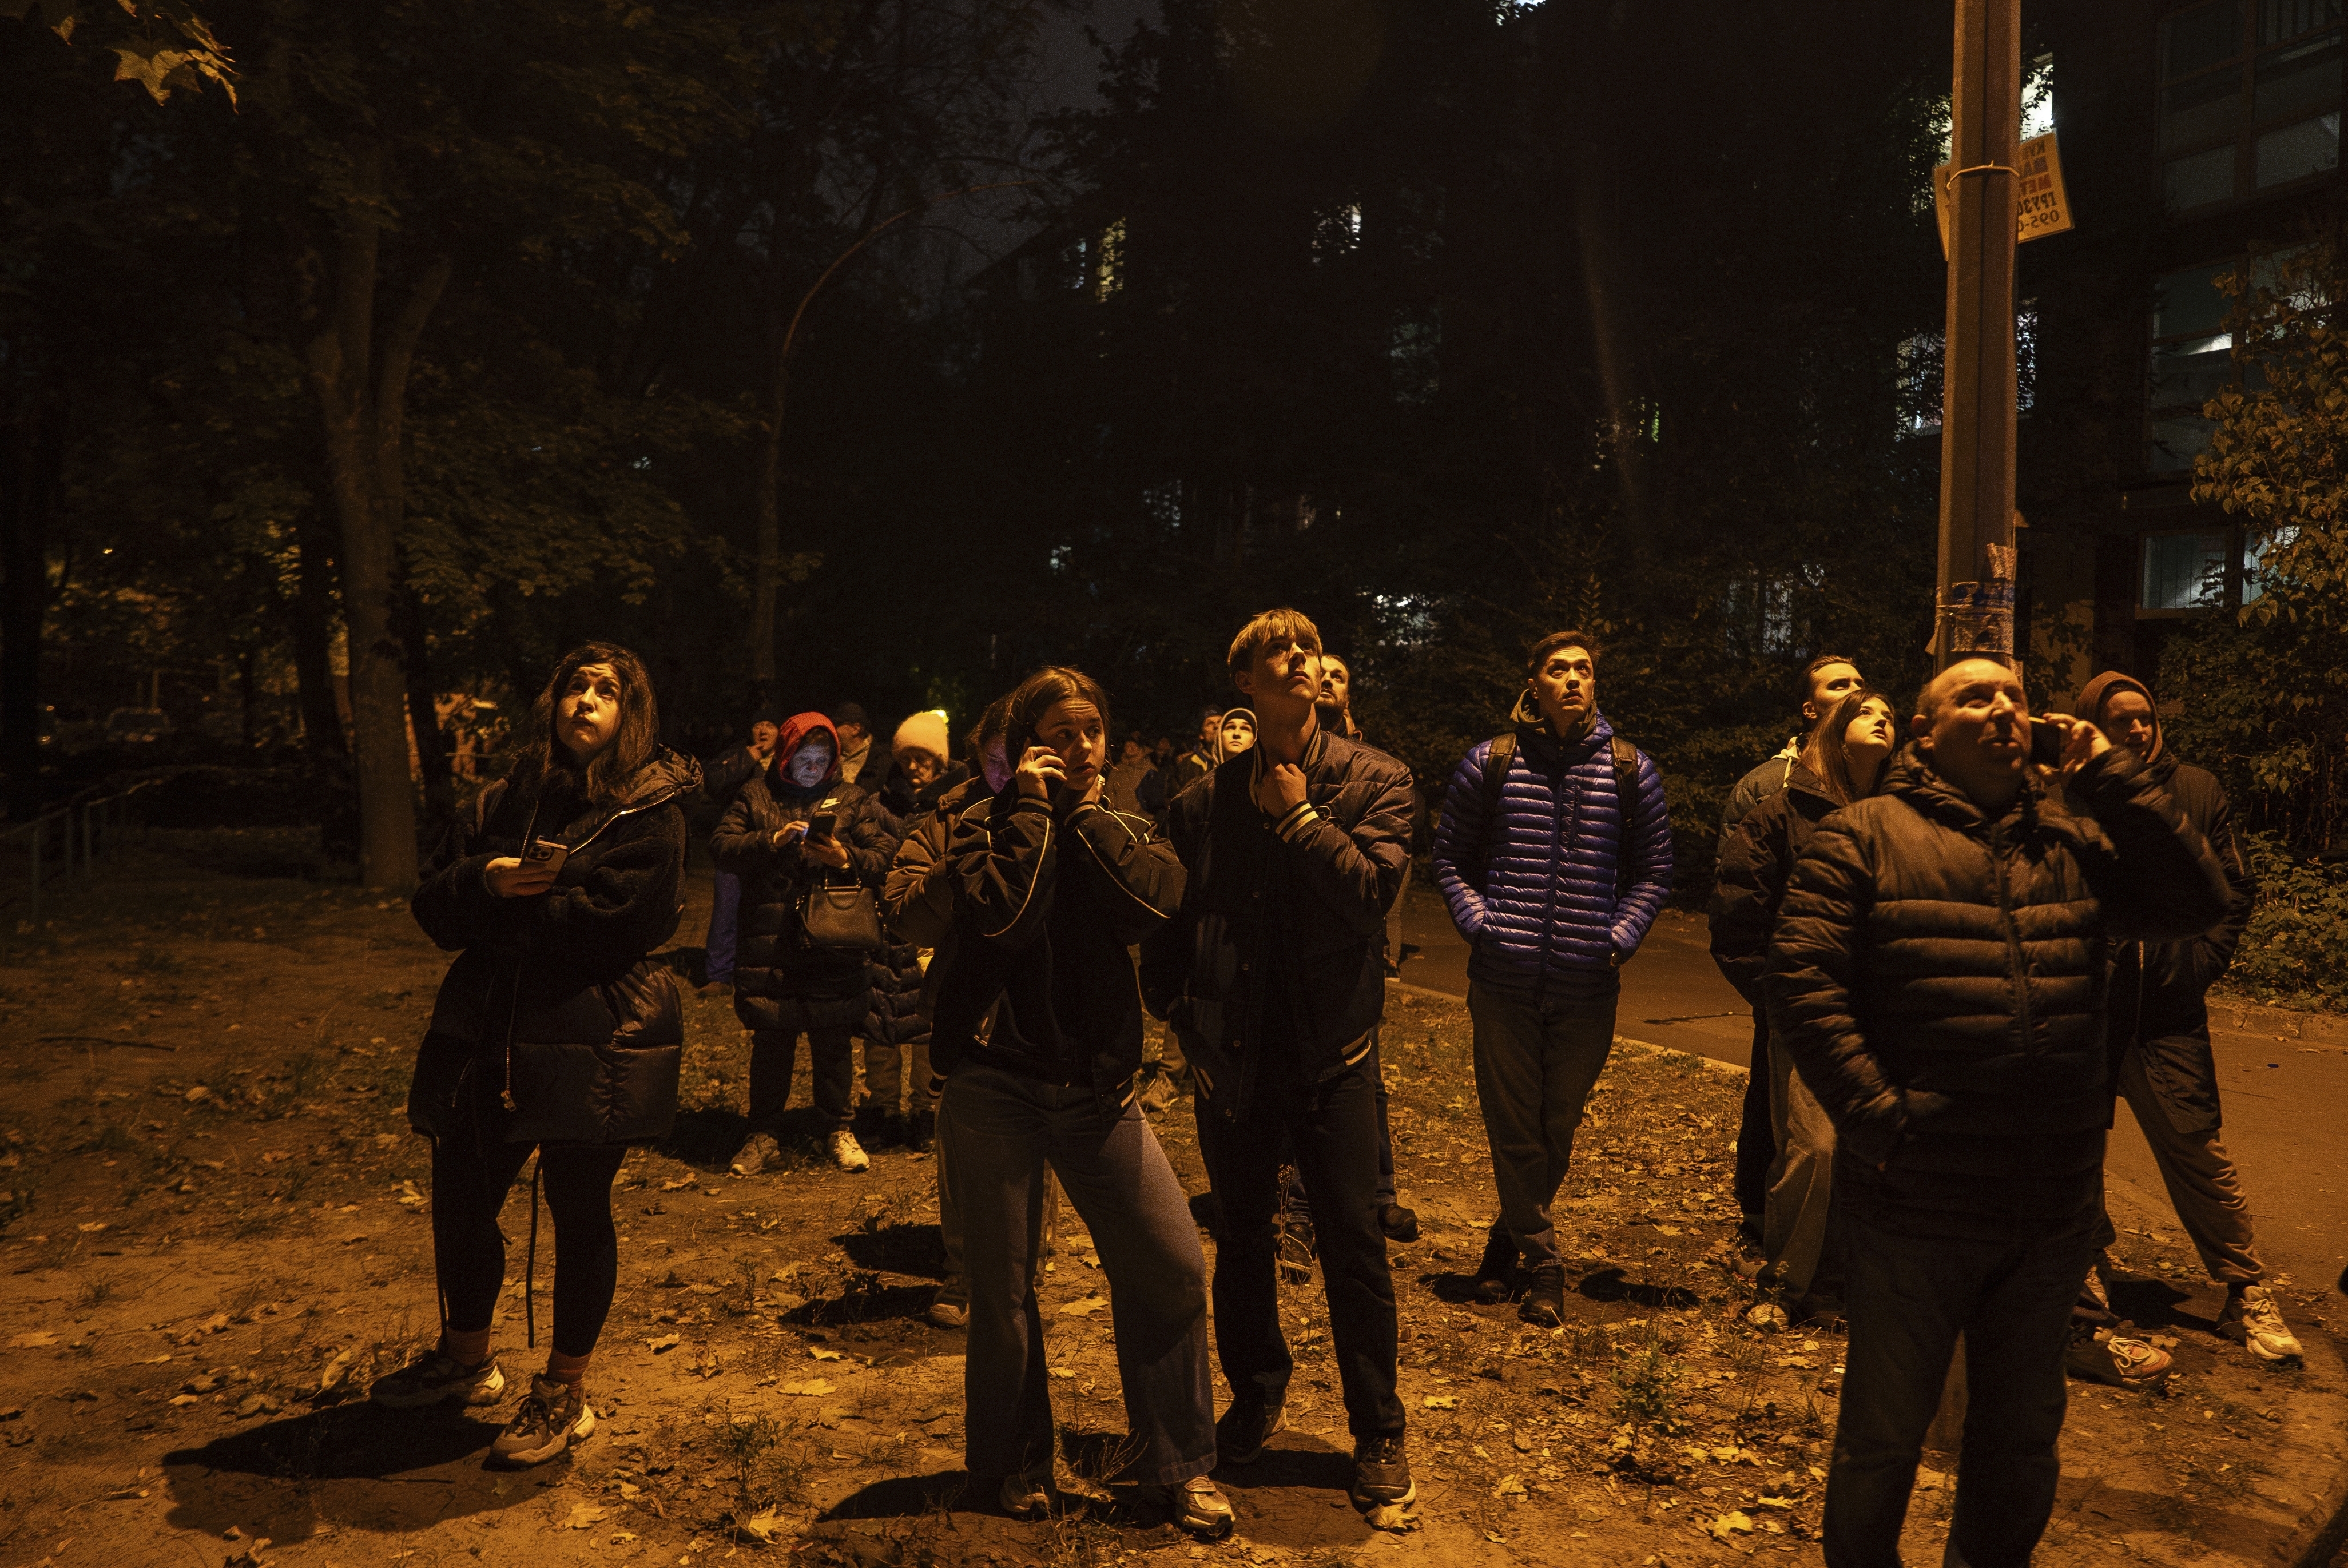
point(214, 1232)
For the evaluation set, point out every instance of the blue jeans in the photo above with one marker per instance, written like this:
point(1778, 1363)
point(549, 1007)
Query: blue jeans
point(724, 925)
point(1908, 1297)
point(995, 1130)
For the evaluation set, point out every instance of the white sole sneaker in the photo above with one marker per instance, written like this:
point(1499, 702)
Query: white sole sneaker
point(556, 1443)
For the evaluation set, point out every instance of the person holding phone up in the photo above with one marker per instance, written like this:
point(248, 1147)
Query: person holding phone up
point(792, 831)
point(1038, 1035)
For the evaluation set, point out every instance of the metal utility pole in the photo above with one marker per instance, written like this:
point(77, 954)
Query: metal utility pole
point(1975, 615)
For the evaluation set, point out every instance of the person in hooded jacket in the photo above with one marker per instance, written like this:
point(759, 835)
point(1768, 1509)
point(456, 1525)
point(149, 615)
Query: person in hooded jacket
point(1038, 1034)
point(2160, 1034)
point(792, 830)
point(1841, 762)
point(1555, 854)
point(552, 1030)
point(896, 1030)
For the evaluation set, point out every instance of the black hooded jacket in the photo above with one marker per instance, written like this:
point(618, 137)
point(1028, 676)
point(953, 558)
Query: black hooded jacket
point(1047, 902)
point(1939, 977)
point(1757, 860)
point(552, 1012)
point(782, 982)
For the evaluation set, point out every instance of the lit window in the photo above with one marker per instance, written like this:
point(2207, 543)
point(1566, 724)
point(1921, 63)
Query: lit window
point(2183, 571)
point(1760, 610)
point(1337, 231)
point(2249, 98)
point(2191, 360)
point(2256, 545)
point(2038, 97)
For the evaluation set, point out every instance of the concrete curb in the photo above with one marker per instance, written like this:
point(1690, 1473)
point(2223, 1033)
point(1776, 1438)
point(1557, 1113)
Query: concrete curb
point(2256, 1018)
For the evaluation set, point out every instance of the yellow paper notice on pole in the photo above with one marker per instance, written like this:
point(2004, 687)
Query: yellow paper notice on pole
point(2041, 207)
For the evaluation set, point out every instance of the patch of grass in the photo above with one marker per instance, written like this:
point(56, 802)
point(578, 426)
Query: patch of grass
point(769, 1464)
point(1647, 1384)
point(302, 1075)
point(97, 1290)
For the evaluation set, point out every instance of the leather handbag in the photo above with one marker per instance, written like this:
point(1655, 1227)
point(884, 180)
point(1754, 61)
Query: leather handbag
point(843, 918)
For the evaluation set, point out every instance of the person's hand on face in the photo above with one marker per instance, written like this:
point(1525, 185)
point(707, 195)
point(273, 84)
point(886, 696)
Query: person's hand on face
point(763, 736)
point(2128, 720)
point(587, 718)
point(1566, 687)
point(1281, 789)
point(2081, 744)
point(810, 764)
point(1070, 733)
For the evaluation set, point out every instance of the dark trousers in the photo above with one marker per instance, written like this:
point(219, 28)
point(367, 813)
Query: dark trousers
point(1300, 1201)
point(468, 1250)
point(773, 1054)
point(1756, 1136)
point(724, 925)
point(1908, 1299)
point(997, 1131)
point(1537, 1058)
point(1333, 1128)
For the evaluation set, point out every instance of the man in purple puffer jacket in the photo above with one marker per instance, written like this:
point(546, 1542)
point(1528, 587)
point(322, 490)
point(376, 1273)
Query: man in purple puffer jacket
point(1555, 853)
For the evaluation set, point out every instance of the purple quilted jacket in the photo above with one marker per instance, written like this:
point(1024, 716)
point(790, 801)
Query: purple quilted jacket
point(1548, 904)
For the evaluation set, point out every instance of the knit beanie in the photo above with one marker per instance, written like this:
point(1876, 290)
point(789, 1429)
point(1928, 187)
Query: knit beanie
point(924, 731)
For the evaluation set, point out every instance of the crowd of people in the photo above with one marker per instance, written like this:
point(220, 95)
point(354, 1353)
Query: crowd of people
point(1965, 935)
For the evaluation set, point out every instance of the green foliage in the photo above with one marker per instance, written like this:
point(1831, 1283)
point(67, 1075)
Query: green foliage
point(2266, 692)
point(2295, 950)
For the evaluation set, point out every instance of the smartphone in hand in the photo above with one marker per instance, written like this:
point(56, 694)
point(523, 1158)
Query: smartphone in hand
point(2047, 742)
point(821, 825)
point(545, 853)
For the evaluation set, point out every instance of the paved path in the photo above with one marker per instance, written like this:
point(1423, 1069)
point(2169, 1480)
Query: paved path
point(2286, 1100)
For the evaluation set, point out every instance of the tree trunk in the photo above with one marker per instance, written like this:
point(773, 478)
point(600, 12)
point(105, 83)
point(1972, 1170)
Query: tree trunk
point(313, 644)
point(767, 582)
point(32, 443)
point(362, 396)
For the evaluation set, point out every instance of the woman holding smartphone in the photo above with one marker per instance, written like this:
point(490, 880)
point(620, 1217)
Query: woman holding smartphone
point(793, 829)
point(1038, 1032)
point(552, 1030)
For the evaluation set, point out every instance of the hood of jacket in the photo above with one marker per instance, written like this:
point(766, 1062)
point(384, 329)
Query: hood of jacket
point(2097, 692)
point(1215, 753)
point(797, 729)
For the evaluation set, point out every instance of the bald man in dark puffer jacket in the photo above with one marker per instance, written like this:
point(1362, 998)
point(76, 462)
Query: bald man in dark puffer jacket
point(1939, 975)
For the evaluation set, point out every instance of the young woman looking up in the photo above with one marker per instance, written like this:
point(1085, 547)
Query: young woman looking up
point(1235, 734)
point(551, 1030)
point(1843, 761)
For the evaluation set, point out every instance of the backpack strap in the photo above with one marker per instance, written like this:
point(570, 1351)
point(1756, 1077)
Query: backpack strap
point(1626, 792)
point(1503, 751)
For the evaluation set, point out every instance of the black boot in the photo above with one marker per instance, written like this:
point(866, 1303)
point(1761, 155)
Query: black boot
point(923, 1132)
point(1496, 1277)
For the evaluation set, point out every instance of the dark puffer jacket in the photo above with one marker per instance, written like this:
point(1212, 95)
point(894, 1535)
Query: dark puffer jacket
point(1046, 903)
point(1757, 861)
point(1546, 899)
point(1939, 979)
point(1301, 901)
point(2159, 989)
point(552, 1026)
point(781, 981)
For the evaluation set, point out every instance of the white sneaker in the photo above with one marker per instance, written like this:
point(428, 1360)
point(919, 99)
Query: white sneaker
point(2251, 1316)
point(847, 1153)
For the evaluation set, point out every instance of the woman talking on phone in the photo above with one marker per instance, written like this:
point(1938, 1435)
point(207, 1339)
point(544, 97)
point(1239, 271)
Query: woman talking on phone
point(794, 835)
point(1038, 1033)
point(551, 1030)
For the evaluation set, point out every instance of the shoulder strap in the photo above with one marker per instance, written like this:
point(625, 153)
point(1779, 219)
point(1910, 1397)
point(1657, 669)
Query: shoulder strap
point(1626, 795)
point(1502, 751)
point(485, 804)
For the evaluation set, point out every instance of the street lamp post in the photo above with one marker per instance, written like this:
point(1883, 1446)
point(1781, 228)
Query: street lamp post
point(1975, 610)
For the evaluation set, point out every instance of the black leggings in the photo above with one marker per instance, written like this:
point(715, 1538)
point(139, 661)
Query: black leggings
point(469, 1187)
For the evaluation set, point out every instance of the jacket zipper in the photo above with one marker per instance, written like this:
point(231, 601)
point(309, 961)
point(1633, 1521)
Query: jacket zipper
point(2013, 941)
